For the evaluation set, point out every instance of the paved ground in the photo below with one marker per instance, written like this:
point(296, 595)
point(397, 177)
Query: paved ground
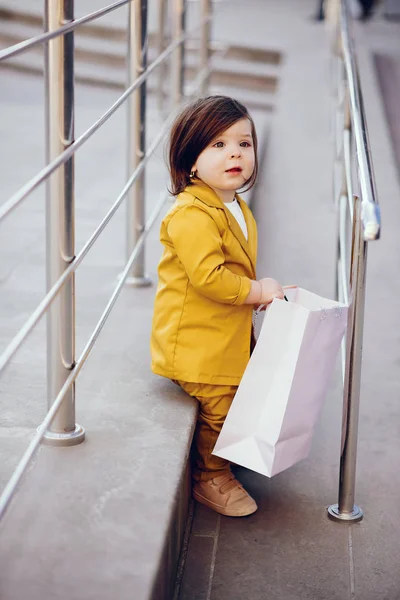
point(289, 550)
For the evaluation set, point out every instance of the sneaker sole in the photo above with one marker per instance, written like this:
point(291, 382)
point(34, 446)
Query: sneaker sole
point(222, 510)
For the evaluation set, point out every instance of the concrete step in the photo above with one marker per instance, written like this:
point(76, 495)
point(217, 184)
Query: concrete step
point(98, 76)
point(100, 53)
point(224, 67)
point(25, 24)
point(92, 39)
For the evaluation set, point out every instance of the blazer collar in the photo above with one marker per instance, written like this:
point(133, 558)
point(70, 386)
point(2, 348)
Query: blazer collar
point(203, 192)
point(207, 195)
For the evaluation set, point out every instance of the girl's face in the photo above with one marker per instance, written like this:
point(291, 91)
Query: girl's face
point(228, 161)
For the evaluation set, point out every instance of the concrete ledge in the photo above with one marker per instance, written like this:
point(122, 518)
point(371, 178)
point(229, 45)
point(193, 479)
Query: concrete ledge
point(106, 518)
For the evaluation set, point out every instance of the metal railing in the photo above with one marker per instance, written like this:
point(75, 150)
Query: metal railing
point(58, 426)
point(353, 156)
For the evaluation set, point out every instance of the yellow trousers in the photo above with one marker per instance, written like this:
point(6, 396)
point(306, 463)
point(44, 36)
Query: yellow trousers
point(214, 401)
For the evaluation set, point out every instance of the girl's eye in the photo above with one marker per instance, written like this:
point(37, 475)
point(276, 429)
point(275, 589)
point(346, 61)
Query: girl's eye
point(219, 145)
point(245, 144)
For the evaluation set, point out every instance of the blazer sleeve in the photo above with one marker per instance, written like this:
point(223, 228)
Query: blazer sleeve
point(198, 244)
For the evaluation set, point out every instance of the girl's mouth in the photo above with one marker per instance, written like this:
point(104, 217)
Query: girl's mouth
point(234, 170)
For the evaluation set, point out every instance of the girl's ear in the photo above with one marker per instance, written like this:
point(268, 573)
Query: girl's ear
point(193, 171)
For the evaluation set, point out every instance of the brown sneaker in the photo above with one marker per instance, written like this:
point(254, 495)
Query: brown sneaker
point(225, 495)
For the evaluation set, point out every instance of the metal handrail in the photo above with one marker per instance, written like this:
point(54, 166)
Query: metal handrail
point(371, 213)
point(64, 430)
point(21, 336)
point(364, 213)
point(32, 184)
point(46, 37)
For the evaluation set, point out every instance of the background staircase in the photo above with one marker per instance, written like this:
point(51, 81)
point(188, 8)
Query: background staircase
point(100, 52)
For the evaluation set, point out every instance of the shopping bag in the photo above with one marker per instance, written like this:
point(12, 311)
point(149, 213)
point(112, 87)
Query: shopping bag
point(270, 423)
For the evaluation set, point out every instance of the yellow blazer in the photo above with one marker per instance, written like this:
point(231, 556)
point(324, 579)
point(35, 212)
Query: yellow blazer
point(201, 329)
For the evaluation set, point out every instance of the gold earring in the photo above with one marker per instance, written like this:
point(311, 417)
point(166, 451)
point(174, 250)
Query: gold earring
point(192, 174)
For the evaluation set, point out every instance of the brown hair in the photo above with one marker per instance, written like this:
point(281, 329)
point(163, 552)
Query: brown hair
point(195, 128)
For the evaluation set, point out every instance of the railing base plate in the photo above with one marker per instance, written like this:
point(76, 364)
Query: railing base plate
point(144, 281)
point(355, 515)
point(70, 438)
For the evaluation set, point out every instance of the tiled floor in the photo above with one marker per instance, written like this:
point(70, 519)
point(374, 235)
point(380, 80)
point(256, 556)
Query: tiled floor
point(288, 549)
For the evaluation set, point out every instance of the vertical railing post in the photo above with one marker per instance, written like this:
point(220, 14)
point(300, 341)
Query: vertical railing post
point(346, 510)
point(162, 69)
point(60, 225)
point(205, 45)
point(137, 63)
point(178, 58)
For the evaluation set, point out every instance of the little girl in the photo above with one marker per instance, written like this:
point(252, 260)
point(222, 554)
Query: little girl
point(202, 324)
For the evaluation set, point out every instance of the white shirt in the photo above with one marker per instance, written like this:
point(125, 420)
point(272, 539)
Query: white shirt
point(234, 208)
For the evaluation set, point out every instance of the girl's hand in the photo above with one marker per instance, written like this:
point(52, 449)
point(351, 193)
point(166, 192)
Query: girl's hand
point(263, 291)
point(262, 307)
point(270, 289)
